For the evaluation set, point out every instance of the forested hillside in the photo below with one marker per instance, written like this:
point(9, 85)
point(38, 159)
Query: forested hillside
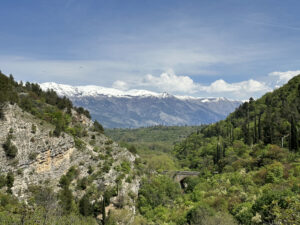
point(249, 167)
point(56, 165)
point(46, 105)
point(154, 139)
point(249, 163)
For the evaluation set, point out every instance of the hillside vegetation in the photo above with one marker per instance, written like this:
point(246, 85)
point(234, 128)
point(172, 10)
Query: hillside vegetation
point(248, 164)
point(56, 165)
point(153, 144)
point(249, 168)
point(151, 139)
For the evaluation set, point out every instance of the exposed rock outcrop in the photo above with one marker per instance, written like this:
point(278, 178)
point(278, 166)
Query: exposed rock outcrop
point(43, 158)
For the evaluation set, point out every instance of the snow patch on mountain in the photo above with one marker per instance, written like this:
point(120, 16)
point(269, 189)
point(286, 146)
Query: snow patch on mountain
point(94, 91)
point(141, 108)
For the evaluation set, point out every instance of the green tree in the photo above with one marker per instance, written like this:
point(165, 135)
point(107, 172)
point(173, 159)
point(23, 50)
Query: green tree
point(98, 127)
point(10, 181)
point(1, 111)
point(10, 149)
point(293, 136)
point(66, 200)
point(85, 207)
point(33, 128)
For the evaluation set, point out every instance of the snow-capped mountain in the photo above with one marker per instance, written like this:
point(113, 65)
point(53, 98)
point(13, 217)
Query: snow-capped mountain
point(137, 108)
point(94, 91)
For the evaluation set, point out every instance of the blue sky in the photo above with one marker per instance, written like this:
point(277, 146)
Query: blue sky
point(230, 48)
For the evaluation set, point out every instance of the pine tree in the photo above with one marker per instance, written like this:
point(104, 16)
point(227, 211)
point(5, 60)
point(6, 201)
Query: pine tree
point(10, 181)
point(103, 211)
point(293, 136)
point(9, 148)
point(85, 206)
point(1, 111)
point(255, 130)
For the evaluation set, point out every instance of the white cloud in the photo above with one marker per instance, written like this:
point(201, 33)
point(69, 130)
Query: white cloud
point(174, 84)
point(249, 86)
point(124, 75)
point(121, 85)
point(170, 82)
point(282, 77)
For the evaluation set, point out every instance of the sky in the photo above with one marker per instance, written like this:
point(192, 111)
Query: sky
point(223, 48)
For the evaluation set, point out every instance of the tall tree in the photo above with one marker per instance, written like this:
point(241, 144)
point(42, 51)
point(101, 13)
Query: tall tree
point(293, 136)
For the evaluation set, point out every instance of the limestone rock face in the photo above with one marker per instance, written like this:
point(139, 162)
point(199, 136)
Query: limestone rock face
point(43, 158)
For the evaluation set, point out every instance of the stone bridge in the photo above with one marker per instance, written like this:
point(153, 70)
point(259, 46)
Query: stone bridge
point(180, 175)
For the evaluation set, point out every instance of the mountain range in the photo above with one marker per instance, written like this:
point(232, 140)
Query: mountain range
point(141, 108)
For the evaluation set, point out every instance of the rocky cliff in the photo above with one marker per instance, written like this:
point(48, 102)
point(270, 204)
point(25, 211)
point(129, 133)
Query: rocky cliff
point(43, 158)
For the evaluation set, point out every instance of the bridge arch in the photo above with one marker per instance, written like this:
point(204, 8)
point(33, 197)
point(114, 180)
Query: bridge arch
point(179, 176)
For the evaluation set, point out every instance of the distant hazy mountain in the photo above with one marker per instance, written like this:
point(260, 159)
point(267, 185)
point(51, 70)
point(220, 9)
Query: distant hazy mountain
point(138, 108)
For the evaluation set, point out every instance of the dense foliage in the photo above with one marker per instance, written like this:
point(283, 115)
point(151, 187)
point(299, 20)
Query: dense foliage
point(248, 164)
point(156, 138)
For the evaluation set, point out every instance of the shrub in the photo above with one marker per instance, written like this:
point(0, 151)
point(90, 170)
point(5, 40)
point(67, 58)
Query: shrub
point(2, 181)
point(106, 167)
point(57, 131)
point(92, 142)
point(82, 183)
point(20, 172)
point(108, 142)
point(10, 181)
point(155, 191)
point(85, 207)
point(64, 181)
point(32, 155)
point(128, 179)
point(132, 149)
point(98, 127)
point(66, 200)
point(1, 111)
point(9, 148)
point(274, 172)
point(243, 213)
point(199, 214)
point(83, 111)
point(125, 166)
point(33, 129)
point(90, 169)
point(79, 143)
point(270, 202)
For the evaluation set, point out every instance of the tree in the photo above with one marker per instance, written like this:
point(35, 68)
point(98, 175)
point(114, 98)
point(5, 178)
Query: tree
point(85, 207)
point(33, 128)
point(103, 209)
point(1, 111)
point(66, 200)
point(10, 181)
point(57, 131)
point(293, 136)
point(98, 127)
point(9, 148)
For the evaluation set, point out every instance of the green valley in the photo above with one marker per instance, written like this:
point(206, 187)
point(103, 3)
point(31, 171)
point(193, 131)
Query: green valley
point(249, 166)
point(57, 165)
